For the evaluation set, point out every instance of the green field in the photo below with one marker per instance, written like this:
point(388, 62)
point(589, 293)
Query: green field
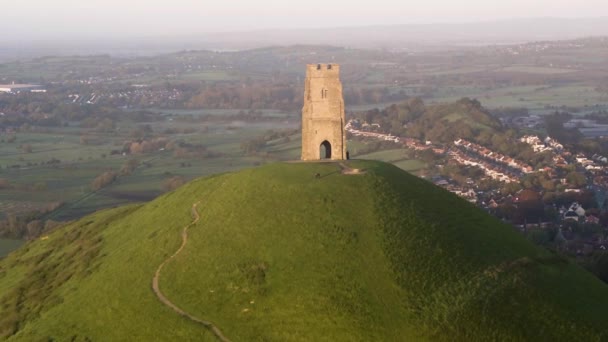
point(535, 98)
point(451, 71)
point(209, 76)
point(69, 181)
point(536, 70)
point(282, 255)
point(410, 165)
point(270, 113)
point(396, 157)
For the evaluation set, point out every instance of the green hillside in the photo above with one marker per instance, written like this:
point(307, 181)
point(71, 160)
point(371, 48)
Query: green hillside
point(465, 118)
point(279, 254)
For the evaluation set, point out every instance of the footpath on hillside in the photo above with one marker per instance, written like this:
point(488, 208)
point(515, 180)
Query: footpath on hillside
point(346, 170)
point(163, 299)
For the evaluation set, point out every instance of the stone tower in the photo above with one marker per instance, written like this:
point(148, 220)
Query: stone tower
point(323, 135)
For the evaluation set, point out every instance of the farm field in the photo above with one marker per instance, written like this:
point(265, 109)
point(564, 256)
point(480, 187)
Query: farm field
point(61, 169)
point(209, 76)
point(223, 105)
point(537, 70)
point(269, 113)
point(536, 98)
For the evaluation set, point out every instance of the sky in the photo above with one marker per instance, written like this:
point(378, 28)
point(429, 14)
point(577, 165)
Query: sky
point(111, 18)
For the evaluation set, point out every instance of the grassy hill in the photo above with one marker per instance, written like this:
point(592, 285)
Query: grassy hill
point(281, 255)
point(464, 118)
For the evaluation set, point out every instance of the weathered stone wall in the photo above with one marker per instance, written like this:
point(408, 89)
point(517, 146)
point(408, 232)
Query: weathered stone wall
point(323, 112)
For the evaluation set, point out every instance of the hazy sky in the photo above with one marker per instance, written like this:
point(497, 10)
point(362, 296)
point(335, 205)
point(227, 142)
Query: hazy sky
point(44, 18)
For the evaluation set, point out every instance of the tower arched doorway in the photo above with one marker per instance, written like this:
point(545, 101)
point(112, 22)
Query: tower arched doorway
point(325, 150)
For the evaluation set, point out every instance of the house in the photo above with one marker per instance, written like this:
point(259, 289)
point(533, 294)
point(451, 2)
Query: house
point(592, 219)
point(574, 213)
point(442, 182)
point(571, 215)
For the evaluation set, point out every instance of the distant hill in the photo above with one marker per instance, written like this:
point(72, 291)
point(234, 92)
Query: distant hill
point(409, 37)
point(299, 252)
point(465, 118)
point(420, 36)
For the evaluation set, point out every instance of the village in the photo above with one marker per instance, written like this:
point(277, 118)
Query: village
point(568, 216)
point(137, 95)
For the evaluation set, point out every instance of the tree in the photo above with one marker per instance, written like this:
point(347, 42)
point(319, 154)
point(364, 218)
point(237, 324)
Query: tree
point(103, 180)
point(105, 125)
point(173, 183)
point(129, 166)
point(576, 179)
point(34, 228)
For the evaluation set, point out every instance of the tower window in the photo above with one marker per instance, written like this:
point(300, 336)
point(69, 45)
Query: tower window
point(329, 66)
point(318, 66)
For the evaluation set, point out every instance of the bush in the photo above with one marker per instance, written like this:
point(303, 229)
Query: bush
point(173, 183)
point(104, 180)
point(4, 184)
point(129, 166)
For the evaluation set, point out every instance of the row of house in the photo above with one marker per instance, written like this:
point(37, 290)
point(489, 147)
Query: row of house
point(362, 133)
point(135, 96)
point(468, 194)
point(552, 145)
point(418, 145)
point(539, 146)
point(366, 130)
point(494, 156)
point(587, 163)
point(548, 145)
point(489, 169)
point(600, 159)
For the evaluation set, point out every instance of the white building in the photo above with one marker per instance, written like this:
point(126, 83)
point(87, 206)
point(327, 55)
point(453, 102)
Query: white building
point(18, 88)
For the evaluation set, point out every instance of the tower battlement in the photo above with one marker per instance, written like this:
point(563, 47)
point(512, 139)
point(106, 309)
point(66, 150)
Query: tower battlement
point(322, 70)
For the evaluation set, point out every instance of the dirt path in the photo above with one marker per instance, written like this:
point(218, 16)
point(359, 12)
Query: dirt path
point(207, 324)
point(349, 171)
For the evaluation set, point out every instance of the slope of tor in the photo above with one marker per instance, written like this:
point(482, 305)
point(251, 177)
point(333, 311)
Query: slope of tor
point(294, 252)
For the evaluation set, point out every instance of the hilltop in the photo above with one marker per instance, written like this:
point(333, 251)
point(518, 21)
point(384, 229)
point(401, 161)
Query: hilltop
point(281, 254)
point(447, 122)
point(465, 118)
